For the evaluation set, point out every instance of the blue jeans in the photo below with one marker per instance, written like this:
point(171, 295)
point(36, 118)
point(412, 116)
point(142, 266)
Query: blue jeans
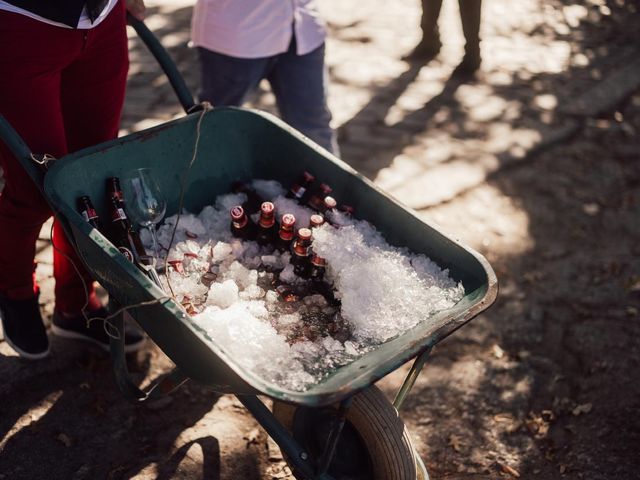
point(297, 81)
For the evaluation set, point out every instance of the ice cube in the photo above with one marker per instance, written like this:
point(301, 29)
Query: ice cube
point(223, 294)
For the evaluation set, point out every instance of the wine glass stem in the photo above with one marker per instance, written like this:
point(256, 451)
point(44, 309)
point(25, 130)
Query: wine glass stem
point(154, 239)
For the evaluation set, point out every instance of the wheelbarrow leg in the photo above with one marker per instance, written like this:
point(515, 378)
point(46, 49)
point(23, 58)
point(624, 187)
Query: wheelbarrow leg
point(297, 457)
point(411, 378)
point(127, 387)
point(406, 387)
point(334, 435)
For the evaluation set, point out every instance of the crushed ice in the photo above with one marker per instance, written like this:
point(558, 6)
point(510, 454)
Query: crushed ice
point(227, 285)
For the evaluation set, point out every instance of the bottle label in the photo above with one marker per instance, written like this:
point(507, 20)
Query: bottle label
point(299, 192)
point(118, 214)
point(89, 214)
point(127, 253)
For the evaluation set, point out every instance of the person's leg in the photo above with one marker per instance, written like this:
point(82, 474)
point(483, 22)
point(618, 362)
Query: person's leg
point(470, 18)
point(225, 80)
point(92, 94)
point(32, 55)
point(299, 83)
point(429, 45)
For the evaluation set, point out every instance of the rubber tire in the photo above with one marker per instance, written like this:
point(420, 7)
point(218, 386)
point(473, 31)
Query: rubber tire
point(382, 431)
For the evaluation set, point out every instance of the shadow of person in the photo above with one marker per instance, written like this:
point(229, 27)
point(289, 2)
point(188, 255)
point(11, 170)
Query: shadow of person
point(65, 418)
point(384, 142)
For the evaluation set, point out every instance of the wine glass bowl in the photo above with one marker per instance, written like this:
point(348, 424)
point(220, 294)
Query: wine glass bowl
point(145, 202)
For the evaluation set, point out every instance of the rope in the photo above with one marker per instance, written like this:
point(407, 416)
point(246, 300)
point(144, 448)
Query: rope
point(206, 106)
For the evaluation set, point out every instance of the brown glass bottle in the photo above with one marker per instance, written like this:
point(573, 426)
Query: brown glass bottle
point(241, 225)
point(119, 231)
point(347, 210)
point(318, 283)
point(114, 191)
point(267, 228)
point(286, 232)
point(301, 189)
point(318, 267)
point(254, 200)
point(286, 293)
point(316, 200)
point(88, 212)
point(300, 253)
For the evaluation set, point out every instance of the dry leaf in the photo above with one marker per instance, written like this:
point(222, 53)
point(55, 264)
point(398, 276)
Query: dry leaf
point(253, 436)
point(64, 438)
point(510, 470)
point(497, 352)
point(455, 442)
point(583, 408)
point(503, 417)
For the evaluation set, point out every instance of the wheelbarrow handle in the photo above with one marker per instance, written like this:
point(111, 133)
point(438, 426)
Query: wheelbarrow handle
point(165, 61)
point(22, 152)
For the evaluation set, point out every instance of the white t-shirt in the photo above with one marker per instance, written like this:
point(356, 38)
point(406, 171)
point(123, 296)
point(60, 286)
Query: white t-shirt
point(83, 23)
point(256, 28)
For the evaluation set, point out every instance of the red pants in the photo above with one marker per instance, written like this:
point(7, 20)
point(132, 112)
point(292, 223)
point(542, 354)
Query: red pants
point(62, 90)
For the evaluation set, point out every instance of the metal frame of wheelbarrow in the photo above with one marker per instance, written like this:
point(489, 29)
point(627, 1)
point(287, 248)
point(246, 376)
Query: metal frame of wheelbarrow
point(228, 376)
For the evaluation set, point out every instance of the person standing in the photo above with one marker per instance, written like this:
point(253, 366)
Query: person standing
point(64, 69)
point(430, 44)
point(242, 42)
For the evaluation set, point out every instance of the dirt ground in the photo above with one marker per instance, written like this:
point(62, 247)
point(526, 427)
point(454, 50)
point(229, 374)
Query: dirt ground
point(535, 165)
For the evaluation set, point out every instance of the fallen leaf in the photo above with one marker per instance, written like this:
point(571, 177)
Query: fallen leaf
point(455, 442)
point(497, 352)
point(252, 436)
point(503, 417)
point(563, 468)
point(583, 408)
point(64, 438)
point(510, 470)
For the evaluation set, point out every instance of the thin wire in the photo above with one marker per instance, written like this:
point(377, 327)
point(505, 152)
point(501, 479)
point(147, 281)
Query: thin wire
point(206, 106)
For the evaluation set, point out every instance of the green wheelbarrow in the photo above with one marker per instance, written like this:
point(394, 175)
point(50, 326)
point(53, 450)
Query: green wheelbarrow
point(340, 428)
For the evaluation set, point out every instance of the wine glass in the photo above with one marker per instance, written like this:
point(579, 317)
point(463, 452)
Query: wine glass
point(145, 203)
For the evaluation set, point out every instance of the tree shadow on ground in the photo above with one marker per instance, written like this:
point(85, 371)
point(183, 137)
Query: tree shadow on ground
point(71, 422)
point(542, 383)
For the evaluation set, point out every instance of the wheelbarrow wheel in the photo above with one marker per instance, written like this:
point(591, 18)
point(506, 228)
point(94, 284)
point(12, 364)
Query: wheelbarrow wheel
point(374, 443)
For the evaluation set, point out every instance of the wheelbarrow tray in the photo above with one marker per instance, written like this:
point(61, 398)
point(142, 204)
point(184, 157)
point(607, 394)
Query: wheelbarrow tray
point(242, 144)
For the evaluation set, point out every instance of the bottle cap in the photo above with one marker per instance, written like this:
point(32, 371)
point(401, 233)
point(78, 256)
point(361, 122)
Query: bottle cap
point(237, 212)
point(288, 220)
point(267, 208)
point(316, 220)
point(304, 234)
point(330, 202)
